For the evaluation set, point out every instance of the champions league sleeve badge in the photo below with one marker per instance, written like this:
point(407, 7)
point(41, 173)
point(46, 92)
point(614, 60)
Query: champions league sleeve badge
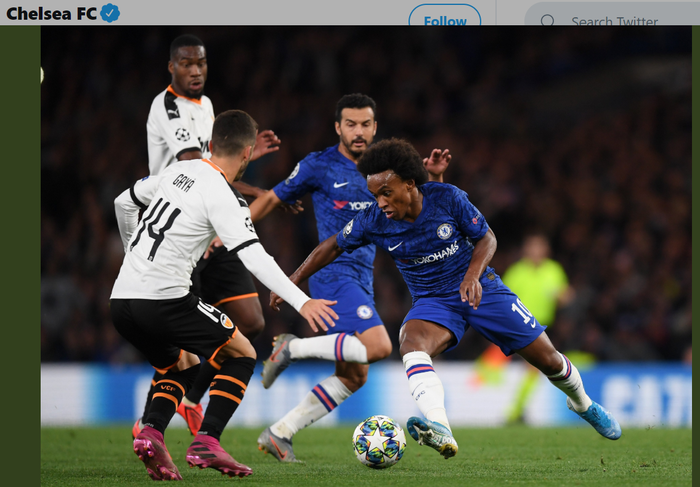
point(182, 134)
point(348, 228)
point(294, 173)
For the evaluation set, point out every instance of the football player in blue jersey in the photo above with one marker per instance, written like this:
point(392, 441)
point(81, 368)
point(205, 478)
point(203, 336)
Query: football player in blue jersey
point(442, 246)
point(359, 338)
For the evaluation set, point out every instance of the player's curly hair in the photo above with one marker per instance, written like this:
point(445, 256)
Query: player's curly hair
point(397, 155)
point(233, 131)
point(185, 40)
point(354, 100)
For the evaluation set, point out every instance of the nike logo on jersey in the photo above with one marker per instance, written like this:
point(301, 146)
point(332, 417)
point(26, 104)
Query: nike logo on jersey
point(395, 246)
point(336, 185)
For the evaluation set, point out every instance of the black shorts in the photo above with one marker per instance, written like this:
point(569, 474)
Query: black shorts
point(222, 278)
point(162, 329)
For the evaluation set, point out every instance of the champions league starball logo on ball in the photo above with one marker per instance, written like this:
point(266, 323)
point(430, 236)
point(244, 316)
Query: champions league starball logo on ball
point(379, 442)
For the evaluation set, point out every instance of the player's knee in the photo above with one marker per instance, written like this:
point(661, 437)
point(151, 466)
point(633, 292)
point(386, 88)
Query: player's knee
point(410, 344)
point(379, 352)
point(252, 327)
point(186, 361)
point(355, 381)
point(238, 347)
point(249, 351)
point(551, 363)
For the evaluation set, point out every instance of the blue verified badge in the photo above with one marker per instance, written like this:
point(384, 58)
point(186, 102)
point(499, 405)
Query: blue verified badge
point(445, 231)
point(109, 13)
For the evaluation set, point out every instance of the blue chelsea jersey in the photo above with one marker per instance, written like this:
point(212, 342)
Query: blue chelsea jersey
point(433, 252)
point(338, 192)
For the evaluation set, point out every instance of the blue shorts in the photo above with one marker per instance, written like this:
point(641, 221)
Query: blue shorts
point(501, 318)
point(355, 308)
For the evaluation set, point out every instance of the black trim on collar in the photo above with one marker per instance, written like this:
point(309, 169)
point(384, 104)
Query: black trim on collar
point(241, 200)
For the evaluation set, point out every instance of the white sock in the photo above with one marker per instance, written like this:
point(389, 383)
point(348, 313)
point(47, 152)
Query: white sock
point(569, 381)
point(339, 347)
point(321, 400)
point(426, 387)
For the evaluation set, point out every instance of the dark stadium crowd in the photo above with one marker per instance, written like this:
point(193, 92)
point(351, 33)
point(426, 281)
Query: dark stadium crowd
point(582, 134)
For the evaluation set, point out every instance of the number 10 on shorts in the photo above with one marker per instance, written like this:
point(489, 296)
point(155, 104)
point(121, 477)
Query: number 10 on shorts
point(520, 308)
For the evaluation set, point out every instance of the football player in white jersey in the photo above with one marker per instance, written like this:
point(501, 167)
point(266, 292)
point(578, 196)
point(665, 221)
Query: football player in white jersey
point(179, 128)
point(153, 308)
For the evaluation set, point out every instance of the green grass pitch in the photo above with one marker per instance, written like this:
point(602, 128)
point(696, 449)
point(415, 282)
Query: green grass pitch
point(489, 456)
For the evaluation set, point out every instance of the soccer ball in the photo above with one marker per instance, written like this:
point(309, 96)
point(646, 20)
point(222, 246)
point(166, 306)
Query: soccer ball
point(379, 442)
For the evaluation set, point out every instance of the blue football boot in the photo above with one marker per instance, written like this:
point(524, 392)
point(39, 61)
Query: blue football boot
point(434, 435)
point(600, 419)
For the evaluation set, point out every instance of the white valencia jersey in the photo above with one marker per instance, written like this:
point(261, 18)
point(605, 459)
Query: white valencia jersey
point(177, 124)
point(187, 205)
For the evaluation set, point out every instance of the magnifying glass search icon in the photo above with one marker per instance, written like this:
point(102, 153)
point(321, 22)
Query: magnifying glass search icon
point(547, 20)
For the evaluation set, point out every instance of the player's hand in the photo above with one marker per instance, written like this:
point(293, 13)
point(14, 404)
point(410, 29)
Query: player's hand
point(294, 209)
point(275, 301)
point(265, 142)
point(319, 311)
point(437, 163)
point(216, 243)
point(470, 290)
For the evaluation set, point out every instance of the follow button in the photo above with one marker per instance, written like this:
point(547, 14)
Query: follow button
point(444, 14)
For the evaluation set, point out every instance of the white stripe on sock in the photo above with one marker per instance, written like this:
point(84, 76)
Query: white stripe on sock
point(426, 387)
point(337, 347)
point(572, 385)
point(311, 408)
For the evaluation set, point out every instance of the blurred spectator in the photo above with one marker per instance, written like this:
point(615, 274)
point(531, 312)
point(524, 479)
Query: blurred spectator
point(542, 285)
point(539, 281)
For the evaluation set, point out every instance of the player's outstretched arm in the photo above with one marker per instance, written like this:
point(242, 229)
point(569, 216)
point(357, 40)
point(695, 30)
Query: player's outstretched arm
point(470, 289)
point(247, 190)
point(264, 204)
point(265, 142)
point(437, 164)
point(325, 253)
